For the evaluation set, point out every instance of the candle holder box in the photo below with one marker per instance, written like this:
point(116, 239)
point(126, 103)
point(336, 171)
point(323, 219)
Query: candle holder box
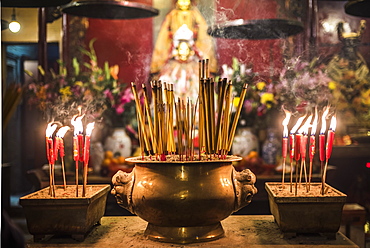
point(307, 213)
point(64, 215)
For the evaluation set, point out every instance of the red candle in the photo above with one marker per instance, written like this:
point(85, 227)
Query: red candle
point(330, 140)
point(322, 147)
point(303, 142)
point(291, 142)
point(51, 151)
point(285, 147)
point(75, 148)
point(295, 147)
point(78, 137)
point(304, 146)
point(61, 148)
point(49, 142)
point(329, 144)
point(80, 146)
point(76, 121)
point(297, 154)
point(59, 138)
point(86, 149)
point(56, 148)
point(322, 134)
point(312, 146)
point(89, 129)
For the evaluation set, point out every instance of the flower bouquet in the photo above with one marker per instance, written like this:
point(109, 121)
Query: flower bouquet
point(96, 89)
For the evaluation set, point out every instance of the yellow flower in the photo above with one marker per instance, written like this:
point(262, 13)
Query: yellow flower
point(260, 85)
point(65, 92)
point(41, 94)
point(332, 85)
point(267, 99)
point(365, 95)
point(236, 101)
point(79, 83)
point(114, 71)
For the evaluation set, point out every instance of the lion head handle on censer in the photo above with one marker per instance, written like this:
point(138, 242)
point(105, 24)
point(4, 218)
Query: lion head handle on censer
point(244, 187)
point(122, 190)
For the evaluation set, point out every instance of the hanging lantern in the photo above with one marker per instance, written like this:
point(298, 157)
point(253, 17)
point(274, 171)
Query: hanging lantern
point(268, 19)
point(359, 8)
point(109, 9)
point(33, 3)
point(256, 29)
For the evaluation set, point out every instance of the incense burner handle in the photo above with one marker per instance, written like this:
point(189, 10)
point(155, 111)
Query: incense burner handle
point(244, 187)
point(123, 183)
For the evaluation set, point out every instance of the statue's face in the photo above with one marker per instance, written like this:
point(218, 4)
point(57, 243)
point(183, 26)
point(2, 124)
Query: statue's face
point(183, 4)
point(183, 51)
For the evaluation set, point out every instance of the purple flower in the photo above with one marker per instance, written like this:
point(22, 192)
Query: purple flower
point(108, 94)
point(248, 107)
point(120, 109)
point(261, 110)
point(32, 87)
point(127, 96)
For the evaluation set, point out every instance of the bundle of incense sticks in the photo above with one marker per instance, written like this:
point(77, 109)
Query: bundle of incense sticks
point(167, 125)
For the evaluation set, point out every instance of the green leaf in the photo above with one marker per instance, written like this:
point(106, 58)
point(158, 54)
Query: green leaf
point(98, 88)
point(91, 46)
point(41, 70)
point(106, 69)
point(53, 74)
point(29, 73)
point(235, 64)
point(87, 65)
point(86, 52)
point(76, 66)
point(62, 68)
point(313, 63)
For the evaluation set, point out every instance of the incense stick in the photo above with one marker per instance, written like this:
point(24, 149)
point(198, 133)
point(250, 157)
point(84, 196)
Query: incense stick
point(64, 174)
point(140, 116)
point(237, 115)
point(149, 118)
point(76, 178)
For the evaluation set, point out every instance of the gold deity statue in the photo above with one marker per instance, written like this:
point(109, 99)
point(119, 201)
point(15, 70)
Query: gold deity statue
point(182, 41)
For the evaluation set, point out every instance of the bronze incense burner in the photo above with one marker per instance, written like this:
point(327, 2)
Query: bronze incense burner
point(184, 201)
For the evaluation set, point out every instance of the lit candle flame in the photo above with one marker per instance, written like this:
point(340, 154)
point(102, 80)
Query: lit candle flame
point(314, 124)
point(306, 125)
point(323, 121)
point(286, 122)
point(62, 131)
point(89, 128)
point(51, 129)
point(297, 125)
point(333, 123)
point(79, 108)
point(77, 124)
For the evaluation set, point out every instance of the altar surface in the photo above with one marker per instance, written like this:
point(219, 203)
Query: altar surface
point(240, 230)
